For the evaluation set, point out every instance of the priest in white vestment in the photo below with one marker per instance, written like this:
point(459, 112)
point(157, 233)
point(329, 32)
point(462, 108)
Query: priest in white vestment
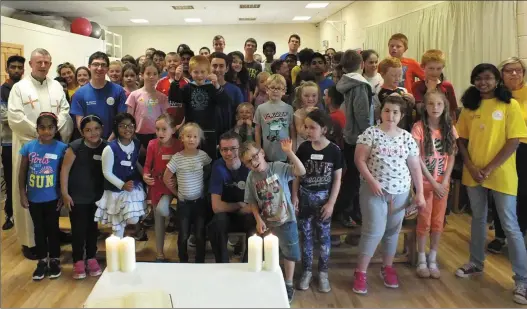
point(32, 95)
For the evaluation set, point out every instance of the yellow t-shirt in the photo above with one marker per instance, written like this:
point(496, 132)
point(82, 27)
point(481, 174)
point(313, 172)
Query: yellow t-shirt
point(72, 91)
point(521, 96)
point(487, 129)
point(294, 73)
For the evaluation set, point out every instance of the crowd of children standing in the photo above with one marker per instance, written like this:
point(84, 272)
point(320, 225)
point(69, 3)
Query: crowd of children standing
point(385, 130)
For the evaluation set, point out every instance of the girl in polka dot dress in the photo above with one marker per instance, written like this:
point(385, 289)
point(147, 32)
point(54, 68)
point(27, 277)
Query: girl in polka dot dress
point(386, 157)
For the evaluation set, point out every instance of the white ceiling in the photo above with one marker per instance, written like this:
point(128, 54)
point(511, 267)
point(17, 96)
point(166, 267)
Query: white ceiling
point(161, 13)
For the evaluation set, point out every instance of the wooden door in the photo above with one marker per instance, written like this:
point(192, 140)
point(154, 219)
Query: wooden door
point(8, 50)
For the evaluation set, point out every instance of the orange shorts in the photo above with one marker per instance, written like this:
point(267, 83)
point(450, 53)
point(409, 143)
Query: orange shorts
point(432, 217)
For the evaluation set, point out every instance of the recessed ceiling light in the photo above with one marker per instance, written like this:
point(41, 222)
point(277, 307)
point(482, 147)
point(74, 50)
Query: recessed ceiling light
point(183, 7)
point(316, 5)
point(302, 18)
point(139, 21)
point(247, 18)
point(249, 6)
point(118, 9)
point(193, 20)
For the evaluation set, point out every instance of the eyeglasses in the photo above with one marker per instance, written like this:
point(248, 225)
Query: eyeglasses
point(99, 65)
point(127, 126)
point(275, 89)
point(229, 149)
point(254, 157)
point(518, 71)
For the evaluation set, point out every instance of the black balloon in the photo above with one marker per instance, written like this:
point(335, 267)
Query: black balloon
point(96, 31)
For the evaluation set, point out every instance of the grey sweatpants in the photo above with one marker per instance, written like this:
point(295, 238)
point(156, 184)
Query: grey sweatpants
point(162, 210)
point(382, 217)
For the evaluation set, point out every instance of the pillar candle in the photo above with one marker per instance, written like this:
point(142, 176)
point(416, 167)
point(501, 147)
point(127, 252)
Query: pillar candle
point(255, 253)
point(271, 253)
point(127, 254)
point(112, 253)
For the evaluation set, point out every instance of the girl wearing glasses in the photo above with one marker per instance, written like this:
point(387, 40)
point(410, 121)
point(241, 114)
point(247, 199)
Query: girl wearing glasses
point(123, 200)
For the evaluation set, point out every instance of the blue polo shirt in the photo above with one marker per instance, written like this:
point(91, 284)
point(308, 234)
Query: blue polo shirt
point(229, 184)
point(234, 93)
point(105, 103)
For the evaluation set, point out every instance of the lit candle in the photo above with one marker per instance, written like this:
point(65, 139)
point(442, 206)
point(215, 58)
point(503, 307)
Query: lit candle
point(112, 253)
point(255, 253)
point(127, 254)
point(271, 253)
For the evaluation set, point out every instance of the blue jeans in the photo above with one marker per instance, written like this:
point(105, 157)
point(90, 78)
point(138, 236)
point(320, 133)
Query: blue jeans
point(506, 208)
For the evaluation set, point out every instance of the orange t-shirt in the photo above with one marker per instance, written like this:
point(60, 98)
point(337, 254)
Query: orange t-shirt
point(411, 71)
point(437, 163)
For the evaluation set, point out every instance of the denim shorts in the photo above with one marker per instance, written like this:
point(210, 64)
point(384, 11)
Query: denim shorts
point(287, 234)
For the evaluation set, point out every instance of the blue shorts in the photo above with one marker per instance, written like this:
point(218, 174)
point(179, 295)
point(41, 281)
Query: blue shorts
point(287, 234)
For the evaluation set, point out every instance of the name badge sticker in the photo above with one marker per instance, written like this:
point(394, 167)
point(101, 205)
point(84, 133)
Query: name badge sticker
point(110, 101)
point(97, 157)
point(166, 157)
point(317, 157)
point(126, 163)
point(271, 179)
point(51, 156)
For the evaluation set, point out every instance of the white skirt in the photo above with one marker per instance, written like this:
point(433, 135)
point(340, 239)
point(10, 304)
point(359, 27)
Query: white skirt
point(116, 208)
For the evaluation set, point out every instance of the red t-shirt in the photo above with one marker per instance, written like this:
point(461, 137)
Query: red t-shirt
point(163, 84)
point(411, 71)
point(445, 87)
point(339, 122)
point(157, 158)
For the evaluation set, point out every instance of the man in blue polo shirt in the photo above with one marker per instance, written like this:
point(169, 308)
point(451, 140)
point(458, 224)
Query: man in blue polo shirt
point(99, 97)
point(293, 44)
point(227, 189)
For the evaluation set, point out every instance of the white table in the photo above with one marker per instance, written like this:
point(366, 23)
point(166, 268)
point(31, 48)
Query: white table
point(198, 285)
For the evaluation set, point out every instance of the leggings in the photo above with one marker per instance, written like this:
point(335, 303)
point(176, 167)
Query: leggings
point(161, 211)
point(311, 203)
point(46, 222)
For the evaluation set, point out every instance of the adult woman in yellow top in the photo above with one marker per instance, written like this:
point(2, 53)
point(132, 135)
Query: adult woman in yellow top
point(490, 128)
point(67, 71)
point(513, 72)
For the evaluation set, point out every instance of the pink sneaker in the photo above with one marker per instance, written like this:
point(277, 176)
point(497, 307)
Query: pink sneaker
point(389, 275)
point(79, 270)
point(93, 268)
point(360, 285)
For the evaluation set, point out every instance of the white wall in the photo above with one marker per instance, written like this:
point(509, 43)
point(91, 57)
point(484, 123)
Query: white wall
point(522, 29)
point(137, 39)
point(362, 14)
point(63, 46)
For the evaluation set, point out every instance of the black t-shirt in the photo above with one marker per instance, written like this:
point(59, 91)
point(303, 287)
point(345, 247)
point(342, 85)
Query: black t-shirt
point(86, 181)
point(254, 69)
point(320, 165)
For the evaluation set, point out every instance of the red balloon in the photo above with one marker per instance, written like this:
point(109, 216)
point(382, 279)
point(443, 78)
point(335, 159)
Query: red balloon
point(81, 26)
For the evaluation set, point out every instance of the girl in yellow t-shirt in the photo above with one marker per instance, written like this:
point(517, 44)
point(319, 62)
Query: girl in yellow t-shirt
point(513, 71)
point(490, 128)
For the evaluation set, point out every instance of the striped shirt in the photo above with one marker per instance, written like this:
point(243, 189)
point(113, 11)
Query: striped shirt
point(189, 174)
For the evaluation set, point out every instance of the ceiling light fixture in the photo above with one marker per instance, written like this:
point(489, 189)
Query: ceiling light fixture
point(316, 5)
point(302, 18)
point(247, 18)
point(192, 20)
point(118, 9)
point(249, 6)
point(183, 7)
point(139, 21)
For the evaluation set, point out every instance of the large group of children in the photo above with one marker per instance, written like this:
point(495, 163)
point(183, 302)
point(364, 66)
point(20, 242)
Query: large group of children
point(367, 126)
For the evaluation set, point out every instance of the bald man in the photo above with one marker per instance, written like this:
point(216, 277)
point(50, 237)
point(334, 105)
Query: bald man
point(32, 95)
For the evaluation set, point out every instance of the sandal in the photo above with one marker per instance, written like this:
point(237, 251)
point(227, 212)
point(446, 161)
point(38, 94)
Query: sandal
point(422, 270)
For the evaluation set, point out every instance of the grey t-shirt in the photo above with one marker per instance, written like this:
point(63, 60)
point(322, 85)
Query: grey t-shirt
point(275, 120)
point(270, 191)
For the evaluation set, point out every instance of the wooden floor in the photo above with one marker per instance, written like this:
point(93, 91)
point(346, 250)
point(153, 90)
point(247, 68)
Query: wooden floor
point(494, 289)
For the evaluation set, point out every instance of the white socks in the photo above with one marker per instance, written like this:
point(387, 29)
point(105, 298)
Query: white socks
point(432, 255)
